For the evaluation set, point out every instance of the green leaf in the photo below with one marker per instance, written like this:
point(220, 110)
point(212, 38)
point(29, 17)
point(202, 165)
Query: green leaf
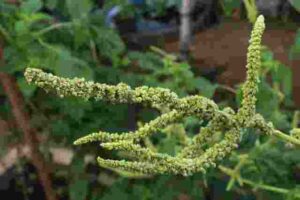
point(51, 4)
point(81, 108)
point(295, 4)
point(109, 43)
point(117, 191)
point(77, 166)
point(283, 76)
point(38, 17)
point(70, 66)
point(79, 188)
point(60, 128)
point(168, 145)
point(206, 88)
point(21, 27)
point(230, 5)
point(82, 35)
point(148, 60)
point(27, 89)
point(31, 6)
point(78, 8)
point(127, 11)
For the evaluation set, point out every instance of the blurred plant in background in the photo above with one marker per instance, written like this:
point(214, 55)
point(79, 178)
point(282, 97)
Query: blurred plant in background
point(71, 38)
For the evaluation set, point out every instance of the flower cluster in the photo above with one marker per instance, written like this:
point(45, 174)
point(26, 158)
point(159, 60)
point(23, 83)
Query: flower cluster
point(194, 156)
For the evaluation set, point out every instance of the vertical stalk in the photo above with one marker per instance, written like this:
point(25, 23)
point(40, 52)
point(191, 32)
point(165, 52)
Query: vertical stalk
point(22, 118)
point(185, 29)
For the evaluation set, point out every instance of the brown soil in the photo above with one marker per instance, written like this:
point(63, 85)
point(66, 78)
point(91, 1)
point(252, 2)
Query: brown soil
point(226, 46)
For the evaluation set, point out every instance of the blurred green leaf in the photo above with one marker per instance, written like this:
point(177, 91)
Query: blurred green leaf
point(21, 27)
point(81, 108)
point(168, 145)
point(206, 88)
point(230, 5)
point(27, 89)
point(51, 4)
point(109, 43)
point(295, 4)
point(38, 17)
point(78, 189)
point(67, 65)
point(82, 35)
point(283, 76)
point(31, 6)
point(79, 8)
point(146, 60)
point(60, 128)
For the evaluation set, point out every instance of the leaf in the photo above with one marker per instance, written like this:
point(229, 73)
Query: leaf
point(268, 96)
point(81, 108)
point(78, 8)
point(148, 60)
point(38, 17)
point(230, 6)
point(69, 66)
point(117, 191)
point(21, 27)
point(295, 4)
point(168, 145)
point(51, 4)
point(60, 128)
point(109, 43)
point(126, 11)
point(283, 76)
point(27, 89)
point(206, 88)
point(79, 188)
point(31, 6)
point(82, 35)
point(77, 166)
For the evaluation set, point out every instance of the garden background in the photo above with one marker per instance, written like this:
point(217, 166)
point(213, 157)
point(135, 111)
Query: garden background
point(143, 42)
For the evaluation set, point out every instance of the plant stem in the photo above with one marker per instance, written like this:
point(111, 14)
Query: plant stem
point(286, 137)
point(5, 34)
point(53, 27)
point(283, 191)
point(295, 119)
point(15, 97)
point(227, 88)
point(265, 187)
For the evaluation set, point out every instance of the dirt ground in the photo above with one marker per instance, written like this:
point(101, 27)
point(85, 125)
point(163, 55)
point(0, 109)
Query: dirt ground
point(226, 45)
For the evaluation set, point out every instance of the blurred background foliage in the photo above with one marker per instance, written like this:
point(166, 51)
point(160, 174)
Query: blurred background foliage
point(79, 38)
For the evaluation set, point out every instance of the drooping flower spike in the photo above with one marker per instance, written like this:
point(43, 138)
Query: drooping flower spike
point(194, 157)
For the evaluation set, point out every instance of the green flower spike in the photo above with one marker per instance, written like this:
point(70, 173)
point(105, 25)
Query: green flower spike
point(195, 156)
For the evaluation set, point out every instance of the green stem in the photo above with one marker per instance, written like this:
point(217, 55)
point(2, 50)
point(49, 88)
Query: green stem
point(53, 27)
point(5, 34)
point(266, 187)
point(162, 53)
point(286, 137)
point(48, 46)
point(295, 119)
point(283, 191)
